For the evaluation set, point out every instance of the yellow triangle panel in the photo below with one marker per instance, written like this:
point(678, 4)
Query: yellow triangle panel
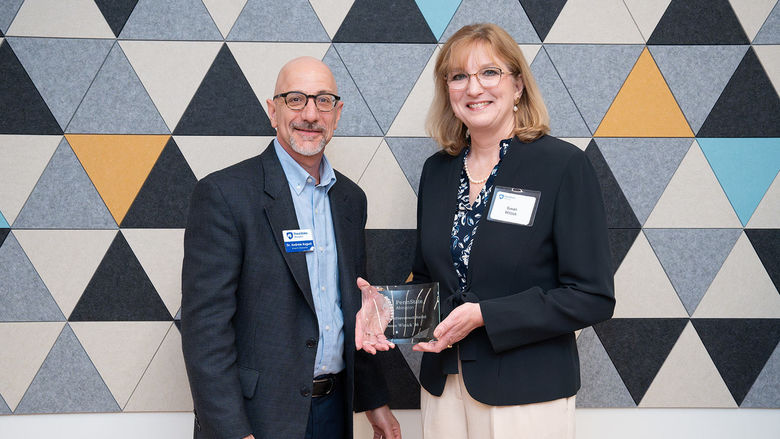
point(644, 107)
point(118, 165)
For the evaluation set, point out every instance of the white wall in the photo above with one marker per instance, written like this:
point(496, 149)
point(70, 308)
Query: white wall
point(591, 424)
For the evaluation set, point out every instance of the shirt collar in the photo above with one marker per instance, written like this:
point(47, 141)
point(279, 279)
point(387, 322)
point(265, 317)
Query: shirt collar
point(297, 176)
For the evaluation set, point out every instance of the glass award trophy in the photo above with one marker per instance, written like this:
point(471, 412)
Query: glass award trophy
point(404, 313)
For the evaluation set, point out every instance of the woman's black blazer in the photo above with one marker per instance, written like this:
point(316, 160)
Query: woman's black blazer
point(535, 285)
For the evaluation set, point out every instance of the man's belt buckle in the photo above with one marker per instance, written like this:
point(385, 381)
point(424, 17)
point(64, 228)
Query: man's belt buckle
point(323, 386)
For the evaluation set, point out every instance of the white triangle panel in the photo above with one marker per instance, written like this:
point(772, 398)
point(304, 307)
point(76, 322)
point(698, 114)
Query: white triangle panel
point(351, 155)
point(206, 154)
point(392, 203)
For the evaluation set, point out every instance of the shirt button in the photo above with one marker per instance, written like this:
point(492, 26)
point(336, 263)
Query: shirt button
point(310, 343)
point(322, 288)
point(323, 368)
point(327, 328)
point(305, 392)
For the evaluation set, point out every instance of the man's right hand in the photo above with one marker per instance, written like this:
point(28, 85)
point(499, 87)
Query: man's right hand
point(251, 436)
point(372, 320)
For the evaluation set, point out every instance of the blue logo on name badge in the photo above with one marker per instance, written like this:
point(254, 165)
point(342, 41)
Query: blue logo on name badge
point(500, 196)
point(289, 235)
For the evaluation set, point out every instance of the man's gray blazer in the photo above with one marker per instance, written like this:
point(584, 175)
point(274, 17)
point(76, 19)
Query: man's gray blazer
point(249, 329)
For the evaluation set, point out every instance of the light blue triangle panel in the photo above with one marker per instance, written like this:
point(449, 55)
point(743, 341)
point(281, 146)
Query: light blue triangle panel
point(745, 168)
point(438, 13)
point(3, 222)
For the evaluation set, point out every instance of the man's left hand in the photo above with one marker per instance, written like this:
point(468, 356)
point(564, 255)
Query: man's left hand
point(384, 423)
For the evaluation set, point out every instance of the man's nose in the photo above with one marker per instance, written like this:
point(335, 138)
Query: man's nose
point(309, 111)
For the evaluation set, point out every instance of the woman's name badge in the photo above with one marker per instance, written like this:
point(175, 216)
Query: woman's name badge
point(301, 240)
point(514, 206)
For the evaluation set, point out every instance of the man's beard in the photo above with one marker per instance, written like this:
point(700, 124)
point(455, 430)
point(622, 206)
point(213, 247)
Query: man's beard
point(301, 149)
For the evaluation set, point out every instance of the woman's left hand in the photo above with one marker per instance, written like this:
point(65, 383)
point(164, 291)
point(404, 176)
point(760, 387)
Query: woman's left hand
point(461, 321)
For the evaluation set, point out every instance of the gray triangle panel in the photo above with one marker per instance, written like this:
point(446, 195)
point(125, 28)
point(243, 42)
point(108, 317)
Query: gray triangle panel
point(692, 258)
point(24, 110)
point(170, 20)
point(696, 75)
point(411, 153)
point(64, 197)
point(117, 102)
point(4, 409)
point(565, 118)
point(739, 348)
point(120, 290)
point(749, 105)
point(638, 348)
point(593, 74)
point(403, 388)
point(62, 69)
point(356, 118)
point(384, 22)
point(67, 382)
point(23, 295)
point(619, 212)
point(385, 94)
point(643, 167)
point(765, 392)
point(601, 383)
point(508, 14)
point(699, 22)
point(770, 31)
point(291, 20)
point(8, 10)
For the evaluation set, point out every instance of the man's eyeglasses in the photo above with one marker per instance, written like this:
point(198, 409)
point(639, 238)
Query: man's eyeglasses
point(296, 100)
point(487, 77)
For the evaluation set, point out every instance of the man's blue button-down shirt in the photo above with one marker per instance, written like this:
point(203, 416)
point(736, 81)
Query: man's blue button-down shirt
point(312, 208)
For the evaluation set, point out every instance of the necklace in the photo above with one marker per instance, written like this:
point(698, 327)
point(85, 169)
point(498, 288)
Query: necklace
point(466, 167)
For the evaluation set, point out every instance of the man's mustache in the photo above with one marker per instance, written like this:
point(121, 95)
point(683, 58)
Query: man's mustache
point(307, 126)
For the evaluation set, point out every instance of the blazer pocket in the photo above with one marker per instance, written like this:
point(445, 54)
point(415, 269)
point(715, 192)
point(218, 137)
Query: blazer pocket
point(248, 379)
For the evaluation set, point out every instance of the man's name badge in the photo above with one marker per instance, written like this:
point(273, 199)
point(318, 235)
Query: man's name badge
point(514, 206)
point(301, 240)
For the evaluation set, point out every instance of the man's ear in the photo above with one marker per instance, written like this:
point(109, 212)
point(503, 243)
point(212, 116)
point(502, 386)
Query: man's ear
point(271, 111)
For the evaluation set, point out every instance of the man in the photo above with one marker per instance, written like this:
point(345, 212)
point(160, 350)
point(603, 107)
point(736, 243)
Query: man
point(272, 250)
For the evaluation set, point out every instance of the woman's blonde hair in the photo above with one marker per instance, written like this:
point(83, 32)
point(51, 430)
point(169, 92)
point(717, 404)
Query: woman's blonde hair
point(531, 119)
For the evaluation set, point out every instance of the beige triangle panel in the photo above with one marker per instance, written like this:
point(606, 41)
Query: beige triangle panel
point(642, 288)
point(206, 154)
point(767, 214)
point(594, 22)
point(171, 71)
point(693, 198)
point(741, 289)
point(224, 13)
point(752, 14)
point(647, 14)
point(580, 142)
point(160, 252)
point(331, 13)
point(66, 260)
point(164, 386)
point(72, 18)
point(769, 56)
point(351, 155)
point(121, 351)
point(24, 346)
point(23, 160)
point(392, 202)
point(688, 378)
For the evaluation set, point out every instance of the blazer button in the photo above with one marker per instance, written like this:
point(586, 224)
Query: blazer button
point(305, 392)
point(310, 343)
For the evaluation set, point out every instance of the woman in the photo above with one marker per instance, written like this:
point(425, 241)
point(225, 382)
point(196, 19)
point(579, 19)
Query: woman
point(510, 222)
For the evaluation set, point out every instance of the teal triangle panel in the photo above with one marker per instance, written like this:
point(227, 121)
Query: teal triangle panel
point(64, 197)
point(120, 290)
point(748, 107)
point(438, 14)
point(397, 21)
point(745, 168)
point(169, 20)
point(291, 20)
point(62, 69)
point(3, 222)
point(24, 110)
point(224, 104)
point(699, 22)
point(117, 102)
point(67, 382)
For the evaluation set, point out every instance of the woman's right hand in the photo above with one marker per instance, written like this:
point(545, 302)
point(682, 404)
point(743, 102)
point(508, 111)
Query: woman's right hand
point(372, 320)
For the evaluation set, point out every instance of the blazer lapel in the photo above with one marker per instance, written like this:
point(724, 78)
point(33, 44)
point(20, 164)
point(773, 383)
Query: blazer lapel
point(280, 211)
point(343, 225)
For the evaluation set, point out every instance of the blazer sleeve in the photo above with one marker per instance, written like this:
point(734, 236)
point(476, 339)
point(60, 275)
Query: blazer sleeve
point(210, 274)
point(585, 292)
point(370, 384)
